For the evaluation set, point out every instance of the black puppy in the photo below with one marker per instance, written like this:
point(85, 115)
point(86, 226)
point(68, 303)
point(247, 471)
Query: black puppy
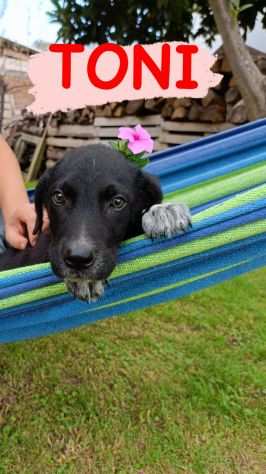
point(95, 199)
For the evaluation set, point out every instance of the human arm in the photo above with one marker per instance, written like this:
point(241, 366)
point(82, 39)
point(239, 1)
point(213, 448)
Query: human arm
point(18, 213)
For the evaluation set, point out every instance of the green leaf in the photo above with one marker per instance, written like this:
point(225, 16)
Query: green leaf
point(140, 159)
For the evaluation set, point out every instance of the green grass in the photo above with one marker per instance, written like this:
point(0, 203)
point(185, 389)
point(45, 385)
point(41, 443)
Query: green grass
point(180, 388)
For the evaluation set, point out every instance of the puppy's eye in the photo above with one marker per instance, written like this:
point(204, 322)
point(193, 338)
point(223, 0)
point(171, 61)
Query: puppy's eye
point(118, 202)
point(58, 198)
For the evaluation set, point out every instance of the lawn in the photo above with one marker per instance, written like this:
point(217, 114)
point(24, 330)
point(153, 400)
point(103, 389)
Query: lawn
point(179, 388)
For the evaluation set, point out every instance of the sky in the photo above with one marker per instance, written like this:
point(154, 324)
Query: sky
point(26, 21)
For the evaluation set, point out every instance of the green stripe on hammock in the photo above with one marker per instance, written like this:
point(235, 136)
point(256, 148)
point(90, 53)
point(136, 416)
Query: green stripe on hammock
point(165, 288)
point(236, 201)
point(239, 200)
point(225, 185)
point(139, 264)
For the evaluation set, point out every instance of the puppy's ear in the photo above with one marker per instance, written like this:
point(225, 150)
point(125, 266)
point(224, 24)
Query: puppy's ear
point(40, 200)
point(149, 190)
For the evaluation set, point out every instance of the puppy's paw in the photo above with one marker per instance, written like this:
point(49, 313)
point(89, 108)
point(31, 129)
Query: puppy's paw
point(166, 220)
point(85, 290)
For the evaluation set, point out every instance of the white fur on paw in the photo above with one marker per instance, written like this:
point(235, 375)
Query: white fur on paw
point(166, 220)
point(85, 290)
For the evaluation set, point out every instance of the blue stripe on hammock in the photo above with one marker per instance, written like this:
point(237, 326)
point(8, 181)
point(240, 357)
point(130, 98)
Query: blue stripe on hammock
point(209, 226)
point(181, 161)
point(20, 278)
point(248, 213)
point(147, 280)
point(31, 284)
point(135, 250)
point(42, 329)
point(196, 209)
point(206, 150)
point(235, 132)
point(179, 181)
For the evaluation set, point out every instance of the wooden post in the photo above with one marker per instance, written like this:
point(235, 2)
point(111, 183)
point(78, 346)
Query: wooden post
point(38, 154)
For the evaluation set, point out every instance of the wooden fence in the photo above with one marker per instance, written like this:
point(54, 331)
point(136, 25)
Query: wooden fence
point(53, 142)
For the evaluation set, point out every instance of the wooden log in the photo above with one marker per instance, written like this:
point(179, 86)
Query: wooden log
point(215, 113)
point(159, 146)
point(86, 116)
point(30, 138)
point(196, 127)
point(99, 112)
point(107, 110)
point(179, 113)
point(69, 142)
point(238, 113)
point(176, 138)
point(32, 129)
point(81, 131)
point(134, 106)
point(119, 111)
point(58, 116)
point(54, 122)
point(112, 132)
point(232, 95)
point(113, 105)
point(194, 112)
point(127, 121)
point(167, 110)
point(183, 102)
point(212, 98)
point(154, 105)
point(151, 105)
point(228, 112)
point(71, 117)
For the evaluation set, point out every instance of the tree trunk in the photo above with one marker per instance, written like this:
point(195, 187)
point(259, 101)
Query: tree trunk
point(250, 81)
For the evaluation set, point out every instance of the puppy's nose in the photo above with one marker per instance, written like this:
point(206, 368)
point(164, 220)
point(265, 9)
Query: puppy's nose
point(79, 257)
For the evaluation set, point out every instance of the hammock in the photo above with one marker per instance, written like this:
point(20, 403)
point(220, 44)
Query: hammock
point(223, 180)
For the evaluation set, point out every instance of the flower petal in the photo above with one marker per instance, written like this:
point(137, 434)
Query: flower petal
point(149, 145)
point(142, 133)
point(136, 147)
point(126, 133)
point(140, 146)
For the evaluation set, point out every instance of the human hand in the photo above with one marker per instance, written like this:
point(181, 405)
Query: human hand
point(20, 224)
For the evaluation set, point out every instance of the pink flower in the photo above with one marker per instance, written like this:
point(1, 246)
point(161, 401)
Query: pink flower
point(139, 140)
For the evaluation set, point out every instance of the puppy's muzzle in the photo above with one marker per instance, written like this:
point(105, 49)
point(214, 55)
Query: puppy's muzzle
point(79, 256)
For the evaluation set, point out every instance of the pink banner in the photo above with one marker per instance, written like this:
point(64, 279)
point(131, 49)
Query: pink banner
point(72, 76)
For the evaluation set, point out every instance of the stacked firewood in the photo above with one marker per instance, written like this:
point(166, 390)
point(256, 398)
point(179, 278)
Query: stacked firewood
point(223, 103)
point(221, 108)
point(84, 116)
point(35, 124)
